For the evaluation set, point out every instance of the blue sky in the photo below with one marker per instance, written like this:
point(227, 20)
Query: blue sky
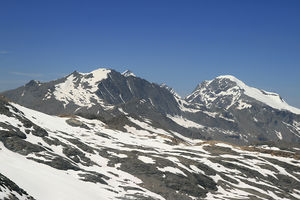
point(180, 43)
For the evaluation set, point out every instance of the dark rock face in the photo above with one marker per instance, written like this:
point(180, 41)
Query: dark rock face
point(21, 146)
point(58, 163)
point(94, 178)
point(119, 89)
point(76, 123)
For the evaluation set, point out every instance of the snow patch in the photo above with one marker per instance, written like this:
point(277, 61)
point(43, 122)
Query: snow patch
point(171, 170)
point(243, 105)
point(278, 134)
point(146, 159)
point(185, 122)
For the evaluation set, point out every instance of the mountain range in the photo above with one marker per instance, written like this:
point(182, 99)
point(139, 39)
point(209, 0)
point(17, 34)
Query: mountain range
point(223, 109)
point(111, 135)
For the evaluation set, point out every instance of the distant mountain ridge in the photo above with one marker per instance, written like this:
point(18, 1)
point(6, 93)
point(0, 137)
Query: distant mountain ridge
point(223, 109)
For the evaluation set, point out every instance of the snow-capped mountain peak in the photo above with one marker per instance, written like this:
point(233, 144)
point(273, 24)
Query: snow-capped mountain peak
point(128, 73)
point(229, 86)
point(97, 74)
point(269, 98)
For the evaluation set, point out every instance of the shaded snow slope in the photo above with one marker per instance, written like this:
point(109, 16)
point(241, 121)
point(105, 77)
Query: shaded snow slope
point(45, 182)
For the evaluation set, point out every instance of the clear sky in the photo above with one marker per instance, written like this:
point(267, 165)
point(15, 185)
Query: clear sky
point(180, 43)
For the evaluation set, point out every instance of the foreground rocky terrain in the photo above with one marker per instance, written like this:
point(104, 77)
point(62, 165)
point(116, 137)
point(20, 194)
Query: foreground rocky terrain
point(71, 157)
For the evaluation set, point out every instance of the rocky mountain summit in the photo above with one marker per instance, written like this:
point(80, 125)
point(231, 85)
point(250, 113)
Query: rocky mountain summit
point(110, 135)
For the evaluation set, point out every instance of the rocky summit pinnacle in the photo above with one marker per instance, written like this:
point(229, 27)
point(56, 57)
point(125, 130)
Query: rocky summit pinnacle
point(128, 73)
